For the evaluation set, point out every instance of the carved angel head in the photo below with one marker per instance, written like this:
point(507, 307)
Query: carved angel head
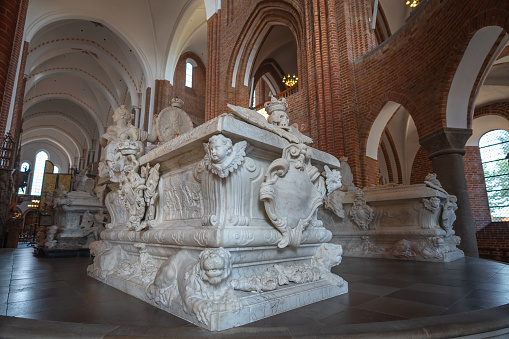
point(215, 265)
point(219, 148)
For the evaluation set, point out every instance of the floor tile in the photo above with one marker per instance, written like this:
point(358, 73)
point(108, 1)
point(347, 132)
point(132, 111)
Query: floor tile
point(372, 289)
point(437, 299)
point(353, 298)
point(40, 305)
point(358, 316)
point(402, 308)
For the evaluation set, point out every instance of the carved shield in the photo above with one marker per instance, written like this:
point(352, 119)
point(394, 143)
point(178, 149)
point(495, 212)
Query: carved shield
point(291, 194)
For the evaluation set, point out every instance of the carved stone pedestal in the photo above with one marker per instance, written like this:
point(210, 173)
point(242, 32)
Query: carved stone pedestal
point(232, 210)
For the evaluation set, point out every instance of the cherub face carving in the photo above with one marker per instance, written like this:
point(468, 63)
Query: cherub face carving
point(220, 148)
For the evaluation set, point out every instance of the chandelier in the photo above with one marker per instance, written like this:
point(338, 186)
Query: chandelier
point(290, 81)
point(413, 3)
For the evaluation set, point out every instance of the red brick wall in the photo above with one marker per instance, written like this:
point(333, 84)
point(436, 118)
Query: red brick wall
point(493, 241)
point(12, 24)
point(163, 92)
point(476, 187)
point(420, 167)
point(194, 98)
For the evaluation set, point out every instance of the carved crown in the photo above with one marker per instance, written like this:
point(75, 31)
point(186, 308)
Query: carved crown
point(176, 102)
point(276, 105)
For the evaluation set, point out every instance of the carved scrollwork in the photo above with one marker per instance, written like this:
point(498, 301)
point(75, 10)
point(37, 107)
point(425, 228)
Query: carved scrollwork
point(243, 238)
point(361, 213)
point(290, 212)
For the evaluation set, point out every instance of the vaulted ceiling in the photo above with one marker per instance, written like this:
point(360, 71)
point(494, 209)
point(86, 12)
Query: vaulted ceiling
point(86, 58)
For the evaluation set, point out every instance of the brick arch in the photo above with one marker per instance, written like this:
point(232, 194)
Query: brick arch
point(264, 15)
point(272, 67)
point(396, 156)
point(491, 17)
point(366, 126)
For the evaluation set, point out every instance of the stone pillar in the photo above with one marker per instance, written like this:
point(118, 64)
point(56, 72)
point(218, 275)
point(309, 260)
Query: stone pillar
point(446, 148)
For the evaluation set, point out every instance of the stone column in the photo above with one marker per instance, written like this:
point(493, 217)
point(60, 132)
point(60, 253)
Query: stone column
point(446, 148)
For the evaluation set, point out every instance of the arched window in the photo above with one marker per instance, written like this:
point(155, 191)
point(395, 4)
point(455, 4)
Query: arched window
point(189, 74)
point(494, 147)
point(40, 160)
point(25, 167)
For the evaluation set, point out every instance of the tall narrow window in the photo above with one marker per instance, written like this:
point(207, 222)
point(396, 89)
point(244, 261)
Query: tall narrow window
point(25, 167)
point(40, 160)
point(189, 75)
point(494, 147)
point(254, 98)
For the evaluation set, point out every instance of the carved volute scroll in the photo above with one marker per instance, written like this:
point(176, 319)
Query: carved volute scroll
point(292, 192)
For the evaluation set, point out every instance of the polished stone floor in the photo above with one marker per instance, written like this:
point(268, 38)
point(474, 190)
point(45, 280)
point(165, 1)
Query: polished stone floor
point(58, 289)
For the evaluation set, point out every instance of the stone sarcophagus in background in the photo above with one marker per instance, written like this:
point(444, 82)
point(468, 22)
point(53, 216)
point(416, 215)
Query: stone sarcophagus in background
point(411, 222)
point(216, 213)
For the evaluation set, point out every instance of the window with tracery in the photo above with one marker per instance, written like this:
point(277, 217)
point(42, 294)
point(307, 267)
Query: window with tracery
point(494, 148)
point(40, 160)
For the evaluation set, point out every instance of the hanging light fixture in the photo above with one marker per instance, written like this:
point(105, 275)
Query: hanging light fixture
point(413, 3)
point(290, 81)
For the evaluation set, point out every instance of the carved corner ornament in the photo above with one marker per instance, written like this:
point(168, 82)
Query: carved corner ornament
point(361, 213)
point(292, 192)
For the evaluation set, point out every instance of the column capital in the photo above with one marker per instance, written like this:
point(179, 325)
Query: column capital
point(446, 140)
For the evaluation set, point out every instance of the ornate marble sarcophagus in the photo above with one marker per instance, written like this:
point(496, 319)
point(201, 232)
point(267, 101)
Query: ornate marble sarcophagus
point(214, 214)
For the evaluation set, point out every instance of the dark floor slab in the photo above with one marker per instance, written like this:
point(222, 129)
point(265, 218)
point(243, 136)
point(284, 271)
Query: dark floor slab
point(440, 289)
point(402, 308)
point(372, 289)
point(37, 286)
point(437, 299)
point(388, 282)
point(40, 305)
point(358, 316)
point(32, 294)
point(353, 298)
point(499, 296)
point(80, 314)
